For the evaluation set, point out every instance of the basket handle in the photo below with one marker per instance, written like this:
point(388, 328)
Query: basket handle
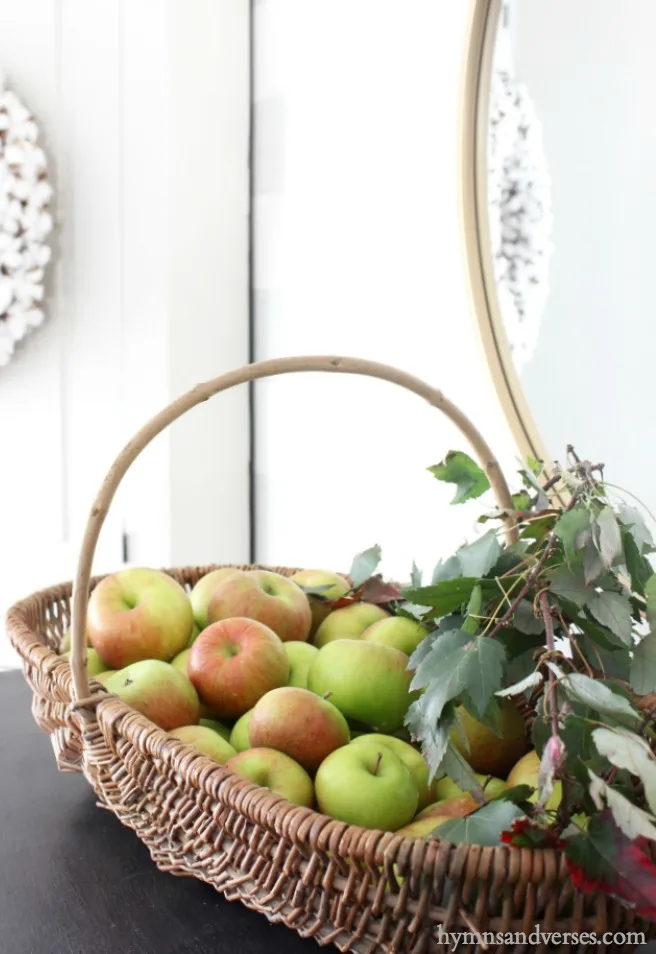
point(202, 392)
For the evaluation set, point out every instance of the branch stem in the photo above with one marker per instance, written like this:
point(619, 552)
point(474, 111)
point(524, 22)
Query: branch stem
point(551, 646)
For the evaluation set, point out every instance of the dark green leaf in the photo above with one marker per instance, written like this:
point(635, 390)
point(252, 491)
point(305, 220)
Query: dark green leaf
point(601, 636)
point(364, 565)
point(517, 794)
point(474, 607)
point(443, 668)
point(538, 529)
point(477, 558)
point(570, 584)
point(459, 469)
point(574, 529)
point(526, 621)
point(484, 672)
point(445, 596)
point(609, 537)
point(433, 734)
point(415, 575)
point(516, 643)
point(634, 521)
point(459, 771)
point(482, 827)
point(520, 667)
point(446, 570)
point(614, 663)
point(614, 612)
point(643, 666)
point(529, 479)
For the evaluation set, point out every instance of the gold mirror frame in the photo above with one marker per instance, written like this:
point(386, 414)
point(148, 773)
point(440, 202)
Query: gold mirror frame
point(474, 110)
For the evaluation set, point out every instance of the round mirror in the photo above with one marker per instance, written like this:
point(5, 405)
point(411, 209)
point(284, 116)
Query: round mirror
point(559, 203)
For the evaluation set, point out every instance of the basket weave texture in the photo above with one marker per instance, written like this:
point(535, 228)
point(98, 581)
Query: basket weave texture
point(365, 891)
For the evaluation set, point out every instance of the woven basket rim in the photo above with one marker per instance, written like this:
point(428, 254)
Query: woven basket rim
point(349, 843)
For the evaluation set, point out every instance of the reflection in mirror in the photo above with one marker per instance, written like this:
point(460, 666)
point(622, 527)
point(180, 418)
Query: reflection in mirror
point(571, 201)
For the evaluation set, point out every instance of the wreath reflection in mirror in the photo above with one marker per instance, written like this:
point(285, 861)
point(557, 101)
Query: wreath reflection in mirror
point(519, 202)
point(25, 223)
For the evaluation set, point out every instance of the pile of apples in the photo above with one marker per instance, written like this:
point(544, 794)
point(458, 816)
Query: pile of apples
point(271, 677)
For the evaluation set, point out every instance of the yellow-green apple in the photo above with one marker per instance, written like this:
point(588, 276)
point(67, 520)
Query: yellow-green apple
point(410, 757)
point(526, 772)
point(216, 726)
point(370, 683)
point(195, 631)
point(157, 690)
point(138, 614)
point(348, 622)
point(435, 815)
point(300, 656)
point(397, 631)
point(330, 586)
point(366, 785)
point(276, 771)
point(203, 591)
point(208, 742)
point(300, 724)
point(65, 645)
point(102, 677)
point(239, 738)
point(234, 662)
point(487, 752)
point(95, 665)
point(446, 788)
point(265, 596)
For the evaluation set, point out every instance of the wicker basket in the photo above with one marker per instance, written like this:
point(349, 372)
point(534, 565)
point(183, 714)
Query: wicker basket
point(364, 891)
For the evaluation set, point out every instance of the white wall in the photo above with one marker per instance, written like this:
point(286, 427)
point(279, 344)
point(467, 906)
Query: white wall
point(144, 110)
point(590, 70)
point(358, 251)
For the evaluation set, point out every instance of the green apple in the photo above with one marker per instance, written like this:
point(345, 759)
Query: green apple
point(137, 614)
point(368, 682)
point(65, 645)
point(435, 815)
point(410, 757)
point(239, 739)
point(526, 772)
point(300, 724)
point(267, 597)
point(216, 726)
point(195, 633)
point(207, 741)
point(446, 788)
point(275, 771)
point(487, 752)
point(95, 665)
point(366, 785)
point(348, 622)
point(157, 690)
point(331, 586)
point(234, 662)
point(203, 591)
point(397, 631)
point(102, 677)
point(300, 655)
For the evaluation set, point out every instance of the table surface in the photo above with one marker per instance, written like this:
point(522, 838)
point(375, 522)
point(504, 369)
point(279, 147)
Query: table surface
point(73, 880)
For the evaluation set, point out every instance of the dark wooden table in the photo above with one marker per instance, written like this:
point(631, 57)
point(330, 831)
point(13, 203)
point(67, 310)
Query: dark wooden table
point(73, 880)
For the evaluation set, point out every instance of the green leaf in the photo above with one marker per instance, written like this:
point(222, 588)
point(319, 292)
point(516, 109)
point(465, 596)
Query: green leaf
point(443, 667)
point(459, 771)
point(478, 558)
point(600, 635)
point(534, 465)
point(433, 734)
point(484, 672)
point(631, 820)
point(415, 575)
point(482, 827)
point(443, 597)
point(574, 529)
point(643, 666)
point(520, 667)
point(522, 501)
point(446, 625)
point(519, 794)
point(474, 607)
point(364, 565)
point(626, 750)
point(532, 681)
point(650, 595)
point(597, 695)
point(609, 537)
point(615, 663)
point(516, 643)
point(593, 565)
point(613, 611)
point(526, 621)
point(638, 566)
point(570, 584)
point(459, 469)
point(635, 523)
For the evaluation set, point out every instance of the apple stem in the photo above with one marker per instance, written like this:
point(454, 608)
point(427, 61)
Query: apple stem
point(378, 761)
point(328, 694)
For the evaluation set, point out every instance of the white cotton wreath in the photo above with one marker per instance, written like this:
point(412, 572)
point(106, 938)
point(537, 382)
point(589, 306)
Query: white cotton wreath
point(25, 223)
point(519, 202)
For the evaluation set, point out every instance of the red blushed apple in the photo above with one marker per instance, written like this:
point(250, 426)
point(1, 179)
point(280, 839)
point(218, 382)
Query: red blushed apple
point(234, 662)
point(138, 614)
point(265, 596)
point(300, 724)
